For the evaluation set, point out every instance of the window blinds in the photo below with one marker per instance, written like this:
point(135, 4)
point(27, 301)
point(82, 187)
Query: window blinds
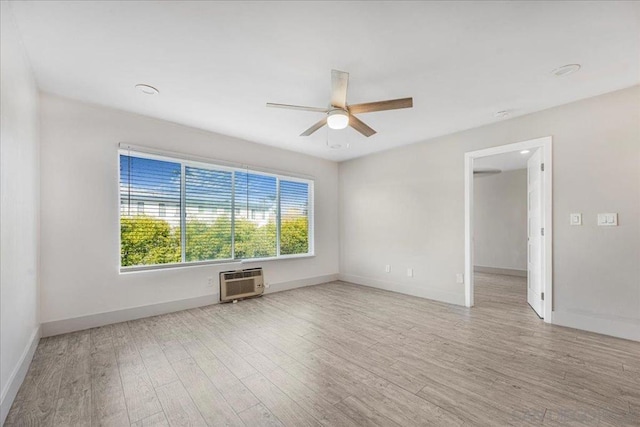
point(184, 212)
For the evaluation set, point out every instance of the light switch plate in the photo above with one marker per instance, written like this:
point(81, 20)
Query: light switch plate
point(607, 219)
point(575, 219)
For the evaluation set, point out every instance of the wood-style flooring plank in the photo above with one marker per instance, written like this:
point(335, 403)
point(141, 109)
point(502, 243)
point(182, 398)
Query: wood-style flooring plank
point(108, 407)
point(74, 396)
point(139, 393)
point(363, 414)
point(287, 411)
point(312, 402)
point(259, 416)
point(178, 406)
point(36, 402)
point(158, 367)
point(155, 420)
point(212, 406)
point(233, 390)
point(336, 354)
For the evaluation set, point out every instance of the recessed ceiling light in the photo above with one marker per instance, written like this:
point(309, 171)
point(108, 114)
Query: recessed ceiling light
point(566, 70)
point(502, 114)
point(524, 152)
point(147, 90)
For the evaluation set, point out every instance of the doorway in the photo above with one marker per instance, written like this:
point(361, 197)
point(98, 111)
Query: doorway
point(539, 221)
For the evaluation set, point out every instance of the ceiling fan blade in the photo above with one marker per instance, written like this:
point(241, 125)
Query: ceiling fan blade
point(360, 126)
point(486, 171)
point(297, 107)
point(315, 127)
point(339, 83)
point(392, 104)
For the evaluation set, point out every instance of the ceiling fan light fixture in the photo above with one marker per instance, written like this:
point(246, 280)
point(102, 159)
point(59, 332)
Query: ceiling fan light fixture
point(337, 119)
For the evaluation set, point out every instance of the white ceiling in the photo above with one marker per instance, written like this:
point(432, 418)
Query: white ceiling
point(217, 63)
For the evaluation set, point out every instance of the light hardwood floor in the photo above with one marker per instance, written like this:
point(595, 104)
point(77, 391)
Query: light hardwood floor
point(336, 354)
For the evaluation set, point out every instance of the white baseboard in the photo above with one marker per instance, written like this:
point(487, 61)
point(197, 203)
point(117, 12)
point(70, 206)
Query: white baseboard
point(17, 376)
point(416, 291)
point(617, 327)
point(497, 270)
point(293, 284)
point(64, 326)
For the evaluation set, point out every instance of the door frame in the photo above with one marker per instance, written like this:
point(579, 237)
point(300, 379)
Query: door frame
point(544, 144)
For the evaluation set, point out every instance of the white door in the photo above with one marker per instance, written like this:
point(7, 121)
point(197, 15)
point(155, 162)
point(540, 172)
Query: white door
point(535, 232)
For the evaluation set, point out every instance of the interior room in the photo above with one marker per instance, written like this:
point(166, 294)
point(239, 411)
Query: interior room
point(500, 231)
point(288, 213)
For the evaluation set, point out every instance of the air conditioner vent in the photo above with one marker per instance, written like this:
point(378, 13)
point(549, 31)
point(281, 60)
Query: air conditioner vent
point(241, 284)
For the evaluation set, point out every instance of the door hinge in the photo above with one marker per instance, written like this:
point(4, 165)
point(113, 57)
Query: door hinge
point(542, 167)
point(542, 231)
point(542, 296)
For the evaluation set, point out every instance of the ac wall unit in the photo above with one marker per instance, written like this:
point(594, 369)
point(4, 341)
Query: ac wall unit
point(240, 284)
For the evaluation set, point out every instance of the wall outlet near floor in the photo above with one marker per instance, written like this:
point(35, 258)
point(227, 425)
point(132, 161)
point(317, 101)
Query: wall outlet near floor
point(267, 285)
point(459, 278)
point(409, 272)
point(387, 268)
point(210, 281)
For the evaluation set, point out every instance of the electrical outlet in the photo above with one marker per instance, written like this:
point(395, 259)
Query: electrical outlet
point(409, 272)
point(387, 268)
point(209, 281)
point(266, 286)
point(459, 278)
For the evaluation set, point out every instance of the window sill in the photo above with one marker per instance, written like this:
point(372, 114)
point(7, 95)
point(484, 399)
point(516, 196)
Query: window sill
point(230, 262)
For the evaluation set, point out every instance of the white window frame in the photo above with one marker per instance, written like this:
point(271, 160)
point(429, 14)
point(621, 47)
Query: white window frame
point(216, 165)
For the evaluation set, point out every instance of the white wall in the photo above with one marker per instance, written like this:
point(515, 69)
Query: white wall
point(80, 252)
point(405, 207)
point(500, 220)
point(19, 215)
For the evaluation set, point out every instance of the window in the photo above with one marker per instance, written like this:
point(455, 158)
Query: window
point(294, 217)
point(253, 239)
point(144, 239)
point(220, 213)
point(208, 236)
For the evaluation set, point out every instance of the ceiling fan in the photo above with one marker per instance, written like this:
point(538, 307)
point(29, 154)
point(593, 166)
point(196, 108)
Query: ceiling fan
point(486, 171)
point(339, 114)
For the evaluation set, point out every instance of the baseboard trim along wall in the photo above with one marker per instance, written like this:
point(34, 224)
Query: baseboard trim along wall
point(63, 326)
point(416, 291)
point(18, 375)
point(293, 284)
point(617, 327)
point(497, 270)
